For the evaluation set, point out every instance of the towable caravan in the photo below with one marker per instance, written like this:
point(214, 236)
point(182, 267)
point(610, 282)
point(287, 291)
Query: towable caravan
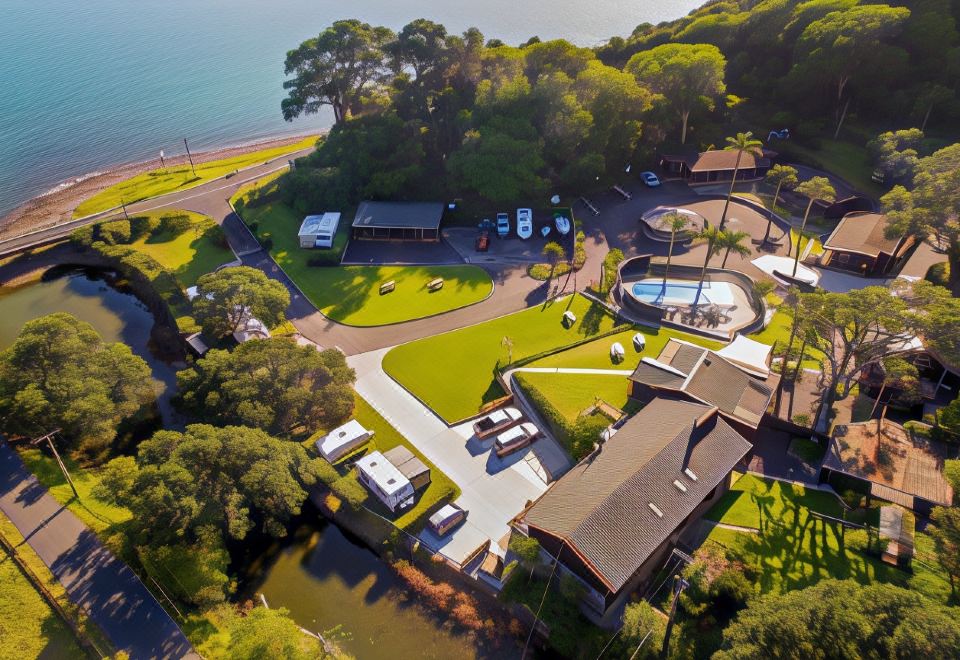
point(385, 481)
point(342, 440)
point(319, 231)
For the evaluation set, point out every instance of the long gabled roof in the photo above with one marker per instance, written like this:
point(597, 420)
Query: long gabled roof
point(726, 159)
point(617, 506)
point(863, 233)
point(708, 377)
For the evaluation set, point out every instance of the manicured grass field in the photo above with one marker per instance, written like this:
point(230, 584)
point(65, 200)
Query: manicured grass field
point(847, 160)
point(29, 626)
point(171, 179)
point(454, 373)
point(571, 394)
point(596, 354)
point(351, 294)
point(794, 550)
point(195, 252)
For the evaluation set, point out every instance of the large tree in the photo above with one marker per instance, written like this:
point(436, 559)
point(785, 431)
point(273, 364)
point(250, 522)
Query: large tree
point(272, 384)
point(336, 68)
point(59, 373)
point(686, 76)
point(781, 176)
point(854, 329)
point(835, 619)
point(946, 539)
point(840, 45)
point(233, 480)
point(932, 206)
point(228, 298)
point(895, 153)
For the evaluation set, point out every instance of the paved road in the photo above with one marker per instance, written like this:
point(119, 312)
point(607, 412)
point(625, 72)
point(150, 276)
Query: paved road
point(94, 578)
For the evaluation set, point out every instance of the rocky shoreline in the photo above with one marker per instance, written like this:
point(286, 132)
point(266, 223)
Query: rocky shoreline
point(57, 205)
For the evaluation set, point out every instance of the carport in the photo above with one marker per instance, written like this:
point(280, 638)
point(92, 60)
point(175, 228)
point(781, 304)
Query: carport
point(404, 221)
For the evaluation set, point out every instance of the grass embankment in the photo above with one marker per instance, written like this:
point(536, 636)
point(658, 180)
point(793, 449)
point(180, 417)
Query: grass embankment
point(571, 394)
point(171, 179)
point(849, 161)
point(793, 549)
point(351, 294)
point(596, 354)
point(197, 251)
point(454, 373)
point(29, 626)
point(796, 238)
point(385, 438)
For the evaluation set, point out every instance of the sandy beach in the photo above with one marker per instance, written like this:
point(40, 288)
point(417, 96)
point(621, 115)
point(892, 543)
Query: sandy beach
point(57, 205)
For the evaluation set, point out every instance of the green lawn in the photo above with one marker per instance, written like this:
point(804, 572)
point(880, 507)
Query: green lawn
point(795, 236)
point(596, 354)
point(807, 449)
point(454, 373)
point(29, 626)
point(351, 294)
point(847, 160)
point(195, 252)
point(794, 550)
point(778, 332)
point(386, 437)
point(171, 179)
point(571, 394)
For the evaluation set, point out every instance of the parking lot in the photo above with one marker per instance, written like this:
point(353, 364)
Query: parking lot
point(493, 489)
point(511, 248)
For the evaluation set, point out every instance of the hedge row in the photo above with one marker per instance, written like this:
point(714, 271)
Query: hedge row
point(577, 437)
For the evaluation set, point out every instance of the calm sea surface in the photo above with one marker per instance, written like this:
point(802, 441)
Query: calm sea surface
point(94, 83)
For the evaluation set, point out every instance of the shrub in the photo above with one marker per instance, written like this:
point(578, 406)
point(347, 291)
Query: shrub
point(83, 235)
point(610, 263)
point(143, 225)
point(115, 232)
point(802, 419)
point(939, 274)
point(348, 489)
point(863, 541)
point(174, 223)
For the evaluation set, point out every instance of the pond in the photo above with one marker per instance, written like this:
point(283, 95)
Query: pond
point(327, 580)
point(90, 296)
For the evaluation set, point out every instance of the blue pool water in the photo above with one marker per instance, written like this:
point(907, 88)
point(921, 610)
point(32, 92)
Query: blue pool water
point(682, 292)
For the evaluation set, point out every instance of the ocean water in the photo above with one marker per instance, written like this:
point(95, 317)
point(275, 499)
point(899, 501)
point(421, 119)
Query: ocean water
point(94, 83)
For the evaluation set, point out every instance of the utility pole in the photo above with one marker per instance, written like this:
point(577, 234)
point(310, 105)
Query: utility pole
point(189, 157)
point(123, 205)
point(679, 584)
point(163, 165)
point(63, 468)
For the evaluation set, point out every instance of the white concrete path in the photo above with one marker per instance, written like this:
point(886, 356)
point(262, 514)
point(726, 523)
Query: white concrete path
point(494, 490)
point(565, 370)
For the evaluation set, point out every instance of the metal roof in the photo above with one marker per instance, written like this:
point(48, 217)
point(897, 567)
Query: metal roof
point(399, 215)
point(863, 233)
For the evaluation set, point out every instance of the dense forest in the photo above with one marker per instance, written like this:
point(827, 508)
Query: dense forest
point(419, 108)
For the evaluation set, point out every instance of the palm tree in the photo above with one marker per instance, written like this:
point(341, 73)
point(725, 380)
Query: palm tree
point(733, 241)
point(813, 189)
point(675, 222)
point(743, 143)
point(711, 236)
point(781, 175)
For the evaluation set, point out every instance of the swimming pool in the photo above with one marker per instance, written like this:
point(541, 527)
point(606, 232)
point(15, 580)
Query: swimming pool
point(682, 292)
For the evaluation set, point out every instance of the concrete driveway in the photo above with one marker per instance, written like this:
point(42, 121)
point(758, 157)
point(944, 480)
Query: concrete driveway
point(494, 490)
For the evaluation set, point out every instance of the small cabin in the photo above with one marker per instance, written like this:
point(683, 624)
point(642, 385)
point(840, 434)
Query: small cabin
point(319, 231)
point(859, 244)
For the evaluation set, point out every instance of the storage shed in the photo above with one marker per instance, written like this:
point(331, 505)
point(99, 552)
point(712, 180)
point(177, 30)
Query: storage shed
point(385, 481)
point(319, 231)
point(343, 440)
point(409, 465)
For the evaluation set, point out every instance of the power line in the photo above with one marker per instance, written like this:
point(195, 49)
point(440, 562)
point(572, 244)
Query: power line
point(536, 617)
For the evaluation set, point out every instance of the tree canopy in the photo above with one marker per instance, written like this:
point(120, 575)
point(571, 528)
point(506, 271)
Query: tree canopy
point(59, 373)
point(842, 619)
point(271, 384)
point(233, 480)
point(228, 298)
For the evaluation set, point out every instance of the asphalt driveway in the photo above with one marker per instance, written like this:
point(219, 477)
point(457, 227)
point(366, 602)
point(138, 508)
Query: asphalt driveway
point(94, 578)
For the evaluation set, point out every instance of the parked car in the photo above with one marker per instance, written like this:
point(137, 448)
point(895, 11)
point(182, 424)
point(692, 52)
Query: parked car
point(483, 241)
point(448, 517)
point(516, 438)
point(486, 225)
point(497, 421)
point(650, 179)
point(503, 225)
point(524, 223)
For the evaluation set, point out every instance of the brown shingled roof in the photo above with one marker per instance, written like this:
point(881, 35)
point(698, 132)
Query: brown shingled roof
point(601, 507)
point(724, 159)
point(862, 233)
